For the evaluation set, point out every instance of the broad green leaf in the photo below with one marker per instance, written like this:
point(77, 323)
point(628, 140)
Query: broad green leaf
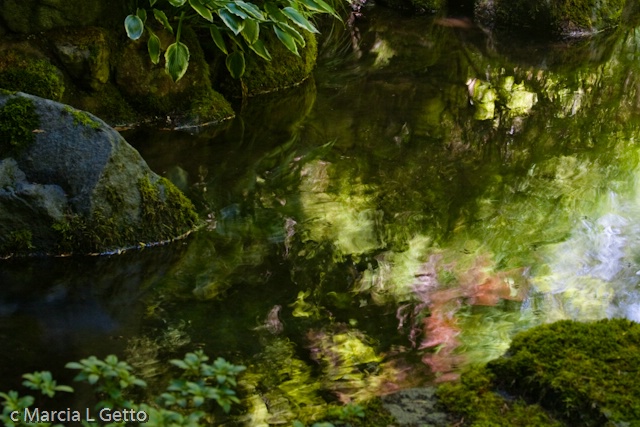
point(286, 40)
point(233, 8)
point(251, 31)
point(235, 64)
point(320, 6)
point(260, 49)
point(299, 20)
point(162, 18)
point(176, 60)
point(251, 9)
point(177, 3)
point(275, 13)
point(201, 9)
point(153, 46)
point(231, 21)
point(134, 27)
point(152, 2)
point(142, 14)
point(217, 39)
point(293, 33)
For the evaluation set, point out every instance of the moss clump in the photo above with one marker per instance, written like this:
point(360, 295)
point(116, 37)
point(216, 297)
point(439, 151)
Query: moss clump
point(588, 372)
point(38, 77)
point(18, 120)
point(475, 400)
point(165, 211)
point(81, 118)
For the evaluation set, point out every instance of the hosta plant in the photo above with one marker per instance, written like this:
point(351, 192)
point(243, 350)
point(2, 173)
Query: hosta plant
point(235, 27)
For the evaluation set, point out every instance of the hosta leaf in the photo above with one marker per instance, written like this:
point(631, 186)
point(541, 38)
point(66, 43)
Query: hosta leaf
point(299, 20)
point(235, 64)
point(286, 40)
point(293, 33)
point(259, 48)
point(201, 9)
point(176, 60)
point(142, 14)
point(133, 26)
point(251, 9)
point(233, 8)
point(233, 23)
point(177, 3)
point(153, 46)
point(217, 39)
point(275, 13)
point(162, 18)
point(320, 6)
point(251, 31)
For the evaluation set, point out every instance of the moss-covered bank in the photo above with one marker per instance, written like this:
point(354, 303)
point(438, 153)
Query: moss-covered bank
point(579, 373)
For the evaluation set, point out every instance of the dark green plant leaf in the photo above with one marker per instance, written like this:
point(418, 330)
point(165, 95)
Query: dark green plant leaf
point(320, 6)
point(142, 14)
point(176, 60)
point(232, 22)
point(153, 46)
point(152, 2)
point(251, 9)
point(233, 8)
point(275, 13)
point(251, 31)
point(201, 9)
point(133, 26)
point(162, 18)
point(177, 3)
point(259, 48)
point(293, 33)
point(286, 40)
point(299, 20)
point(217, 39)
point(235, 64)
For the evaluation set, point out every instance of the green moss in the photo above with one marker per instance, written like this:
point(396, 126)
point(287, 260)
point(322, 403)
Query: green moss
point(18, 120)
point(81, 118)
point(475, 402)
point(588, 372)
point(38, 77)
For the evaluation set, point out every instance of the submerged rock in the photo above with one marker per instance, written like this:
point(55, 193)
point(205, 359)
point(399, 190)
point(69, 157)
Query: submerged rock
point(70, 183)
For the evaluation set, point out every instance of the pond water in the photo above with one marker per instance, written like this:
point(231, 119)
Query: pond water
point(432, 191)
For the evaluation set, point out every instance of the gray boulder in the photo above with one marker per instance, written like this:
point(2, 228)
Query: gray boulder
point(71, 183)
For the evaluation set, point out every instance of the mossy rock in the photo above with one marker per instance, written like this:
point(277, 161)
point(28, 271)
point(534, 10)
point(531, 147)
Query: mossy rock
point(85, 54)
point(285, 69)
point(421, 6)
point(551, 17)
point(18, 121)
point(150, 90)
point(587, 372)
point(25, 72)
point(34, 16)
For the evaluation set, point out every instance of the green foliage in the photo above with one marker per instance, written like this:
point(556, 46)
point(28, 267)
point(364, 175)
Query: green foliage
point(81, 118)
point(113, 382)
point(18, 120)
point(235, 28)
point(585, 372)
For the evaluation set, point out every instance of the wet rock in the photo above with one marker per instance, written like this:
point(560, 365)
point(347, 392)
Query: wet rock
point(416, 407)
point(70, 183)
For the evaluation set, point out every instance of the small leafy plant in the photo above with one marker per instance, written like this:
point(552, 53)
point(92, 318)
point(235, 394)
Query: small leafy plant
point(234, 25)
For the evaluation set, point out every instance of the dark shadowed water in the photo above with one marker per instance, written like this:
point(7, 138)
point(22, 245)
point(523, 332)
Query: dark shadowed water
point(429, 193)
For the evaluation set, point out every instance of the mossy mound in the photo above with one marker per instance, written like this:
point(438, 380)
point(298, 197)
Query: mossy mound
point(22, 72)
point(551, 17)
point(475, 402)
point(421, 6)
point(18, 120)
point(285, 69)
point(150, 90)
point(587, 371)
